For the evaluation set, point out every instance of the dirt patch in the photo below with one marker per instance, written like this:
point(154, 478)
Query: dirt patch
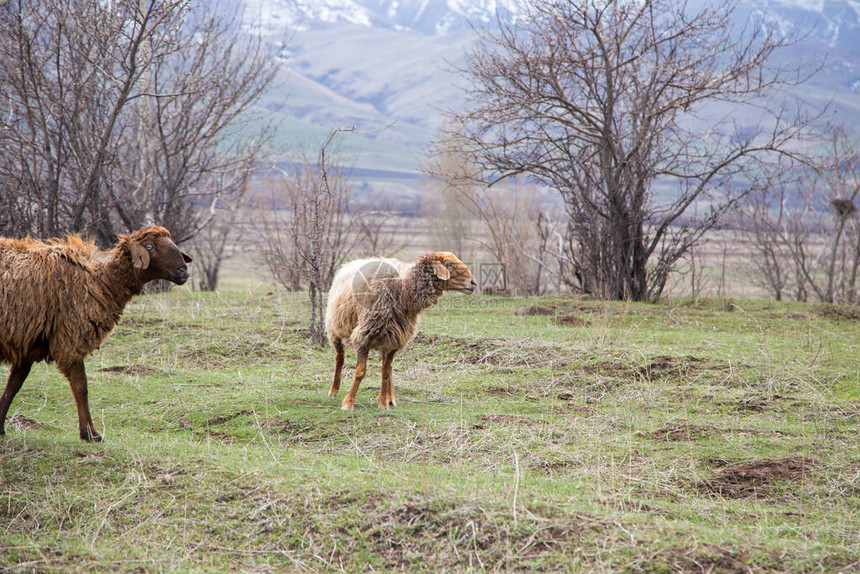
point(220, 420)
point(668, 365)
point(685, 432)
point(757, 479)
point(501, 392)
point(535, 311)
point(24, 422)
point(560, 315)
point(607, 368)
point(713, 560)
point(129, 370)
point(661, 365)
point(573, 408)
point(757, 403)
point(571, 321)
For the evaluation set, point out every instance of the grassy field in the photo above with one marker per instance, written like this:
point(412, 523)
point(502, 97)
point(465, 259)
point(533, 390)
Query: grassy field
point(530, 434)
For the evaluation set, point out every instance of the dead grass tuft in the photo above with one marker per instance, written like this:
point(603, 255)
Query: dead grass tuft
point(24, 422)
point(511, 419)
point(130, 370)
point(444, 534)
point(837, 313)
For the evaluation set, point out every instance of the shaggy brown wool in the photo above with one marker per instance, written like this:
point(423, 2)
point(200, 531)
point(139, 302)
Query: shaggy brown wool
point(375, 304)
point(59, 300)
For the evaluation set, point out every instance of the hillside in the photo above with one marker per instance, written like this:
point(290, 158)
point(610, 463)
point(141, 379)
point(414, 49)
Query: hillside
point(387, 67)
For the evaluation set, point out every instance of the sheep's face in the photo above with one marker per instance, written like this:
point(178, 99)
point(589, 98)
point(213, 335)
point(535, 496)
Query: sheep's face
point(452, 273)
point(156, 256)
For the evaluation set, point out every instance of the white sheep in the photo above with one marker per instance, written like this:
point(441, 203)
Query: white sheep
point(375, 304)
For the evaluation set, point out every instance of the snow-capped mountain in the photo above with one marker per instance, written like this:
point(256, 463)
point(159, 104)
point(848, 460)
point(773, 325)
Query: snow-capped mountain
point(428, 17)
point(833, 23)
point(386, 66)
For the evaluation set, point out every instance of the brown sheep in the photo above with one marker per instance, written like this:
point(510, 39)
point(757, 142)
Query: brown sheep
point(376, 303)
point(61, 298)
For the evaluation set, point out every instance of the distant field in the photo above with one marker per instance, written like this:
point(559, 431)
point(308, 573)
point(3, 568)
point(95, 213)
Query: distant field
point(531, 434)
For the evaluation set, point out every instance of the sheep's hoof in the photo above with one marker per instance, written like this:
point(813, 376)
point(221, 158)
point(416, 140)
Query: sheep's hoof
point(90, 436)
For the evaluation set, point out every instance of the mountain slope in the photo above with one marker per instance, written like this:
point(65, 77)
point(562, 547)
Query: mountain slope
point(385, 66)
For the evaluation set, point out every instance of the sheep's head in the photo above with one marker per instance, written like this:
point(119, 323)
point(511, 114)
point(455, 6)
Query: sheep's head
point(155, 256)
point(452, 274)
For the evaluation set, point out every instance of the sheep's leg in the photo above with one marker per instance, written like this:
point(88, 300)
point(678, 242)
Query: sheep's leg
point(360, 370)
point(386, 392)
point(17, 374)
point(338, 367)
point(78, 380)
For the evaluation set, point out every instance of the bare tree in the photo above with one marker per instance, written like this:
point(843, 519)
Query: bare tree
point(211, 247)
point(803, 226)
point(376, 231)
point(124, 113)
point(599, 100)
point(304, 223)
point(448, 206)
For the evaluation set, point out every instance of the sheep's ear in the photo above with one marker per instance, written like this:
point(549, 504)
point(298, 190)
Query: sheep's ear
point(139, 256)
point(441, 271)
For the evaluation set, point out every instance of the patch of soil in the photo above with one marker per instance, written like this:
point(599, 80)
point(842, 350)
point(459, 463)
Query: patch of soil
point(667, 365)
point(220, 420)
point(501, 392)
point(756, 403)
point(720, 560)
point(559, 314)
point(661, 364)
point(607, 368)
point(130, 370)
point(571, 321)
point(571, 408)
point(685, 432)
point(534, 311)
point(24, 422)
point(220, 437)
point(758, 478)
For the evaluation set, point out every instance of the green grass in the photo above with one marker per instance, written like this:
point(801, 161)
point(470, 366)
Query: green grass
point(551, 434)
